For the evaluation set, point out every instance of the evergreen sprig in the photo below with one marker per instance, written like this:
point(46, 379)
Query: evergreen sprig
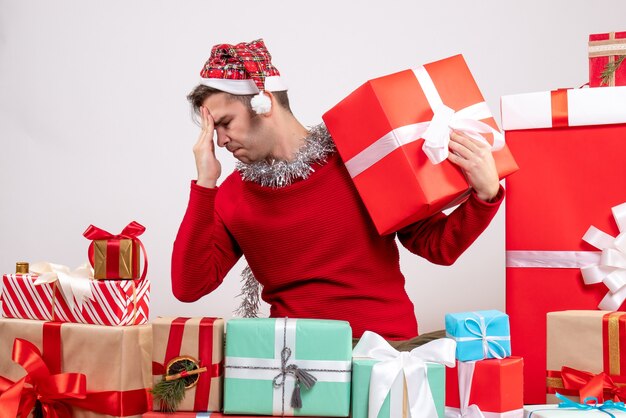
point(610, 69)
point(169, 394)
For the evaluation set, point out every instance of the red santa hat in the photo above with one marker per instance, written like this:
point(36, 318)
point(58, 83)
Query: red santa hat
point(243, 69)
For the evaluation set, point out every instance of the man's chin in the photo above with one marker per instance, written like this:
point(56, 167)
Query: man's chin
point(241, 157)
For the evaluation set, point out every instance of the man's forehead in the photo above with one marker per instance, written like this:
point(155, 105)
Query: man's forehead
point(220, 104)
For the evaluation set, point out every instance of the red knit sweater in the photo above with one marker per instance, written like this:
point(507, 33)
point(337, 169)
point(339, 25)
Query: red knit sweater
point(314, 248)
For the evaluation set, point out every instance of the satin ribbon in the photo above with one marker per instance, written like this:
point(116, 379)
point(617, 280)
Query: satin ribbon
point(591, 403)
point(75, 284)
point(611, 268)
point(466, 374)
point(436, 132)
point(491, 347)
point(411, 365)
point(131, 231)
point(591, 385)
point(53, 391)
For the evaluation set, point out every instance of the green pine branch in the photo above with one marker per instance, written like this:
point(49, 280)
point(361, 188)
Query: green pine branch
point(169, 394)
point(610, 69)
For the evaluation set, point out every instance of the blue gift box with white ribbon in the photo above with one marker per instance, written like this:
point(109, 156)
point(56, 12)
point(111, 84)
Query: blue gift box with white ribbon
point(479, 335)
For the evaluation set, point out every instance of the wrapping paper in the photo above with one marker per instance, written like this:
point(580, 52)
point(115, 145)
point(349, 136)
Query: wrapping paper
point(592, 342)
point(479, 335)
point(113, 302)
point(497, 387)
point(572, 178)
point(603, 49)
point(117, 256)
point(113, 359)
point(378, 130)
point(203, 340)
point(395, 404)
point(261, 351)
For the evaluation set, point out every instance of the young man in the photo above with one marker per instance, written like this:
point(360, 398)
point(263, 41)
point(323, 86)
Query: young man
point(291, 208)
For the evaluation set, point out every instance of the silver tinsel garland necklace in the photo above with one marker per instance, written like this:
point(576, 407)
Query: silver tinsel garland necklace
point(318, 145)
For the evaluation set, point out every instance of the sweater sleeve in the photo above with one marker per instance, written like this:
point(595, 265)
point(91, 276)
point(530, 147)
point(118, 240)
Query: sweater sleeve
point(441, 238)
point(204, 251)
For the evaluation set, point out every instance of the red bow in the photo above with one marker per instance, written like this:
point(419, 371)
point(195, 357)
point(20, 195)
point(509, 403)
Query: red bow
point(131, 231)
point(54, 392)
point(594, 385)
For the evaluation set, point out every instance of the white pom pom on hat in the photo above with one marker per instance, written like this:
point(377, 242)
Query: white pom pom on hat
point(261, 103)
point(243, 69)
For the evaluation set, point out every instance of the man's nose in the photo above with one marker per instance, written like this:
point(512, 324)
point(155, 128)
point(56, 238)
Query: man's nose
point(222, 138)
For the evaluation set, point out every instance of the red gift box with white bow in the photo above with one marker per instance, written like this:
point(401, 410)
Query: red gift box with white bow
point(572, 147)
point(392, 134)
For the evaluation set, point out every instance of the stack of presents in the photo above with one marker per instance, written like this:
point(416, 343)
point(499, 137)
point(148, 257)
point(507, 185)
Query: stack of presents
point(77, 343)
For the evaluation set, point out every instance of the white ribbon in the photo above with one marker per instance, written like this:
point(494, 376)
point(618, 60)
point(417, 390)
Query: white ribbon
point(551, 259)
point(411, 365)
point(267, 369)
point(481, 334)
point(75, 284)
point(611, 268)
point(466, 374)
point(436, 132)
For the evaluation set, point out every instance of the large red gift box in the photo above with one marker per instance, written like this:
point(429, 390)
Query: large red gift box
point(379, 131)
point(607, 49)
point(112, 302)
point(497, 387)
point(572, 147)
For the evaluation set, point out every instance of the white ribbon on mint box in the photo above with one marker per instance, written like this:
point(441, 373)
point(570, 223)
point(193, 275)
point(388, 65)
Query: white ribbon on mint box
point(75, 284)
point(409, 366)
point(272, 369)
point(436, 132)
point(607, 266)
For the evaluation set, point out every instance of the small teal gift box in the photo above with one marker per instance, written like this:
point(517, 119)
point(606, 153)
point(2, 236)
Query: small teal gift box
point(281, 366)
point(479, 335)
point(387, 383)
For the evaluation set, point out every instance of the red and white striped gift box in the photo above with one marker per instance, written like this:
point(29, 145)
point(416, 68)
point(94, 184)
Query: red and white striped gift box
point(113, 302)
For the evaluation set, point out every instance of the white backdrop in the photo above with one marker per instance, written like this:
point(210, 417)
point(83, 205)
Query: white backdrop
point(95, 127)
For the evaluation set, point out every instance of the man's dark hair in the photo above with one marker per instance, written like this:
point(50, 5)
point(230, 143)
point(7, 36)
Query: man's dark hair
point(200, 93)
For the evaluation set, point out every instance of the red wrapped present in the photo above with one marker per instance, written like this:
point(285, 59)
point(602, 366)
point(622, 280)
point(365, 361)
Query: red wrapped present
point(196, 341)
point(495, 386)
point(571, 144)
point(54, 293)
point(393, 132)
point(586, 355)
point(74, 370)
point(116, 256)
point(607, 53)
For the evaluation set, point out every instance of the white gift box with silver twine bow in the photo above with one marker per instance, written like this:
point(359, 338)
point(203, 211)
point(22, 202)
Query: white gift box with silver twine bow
point(280, 366)
point(479, 335)
point(403, 377)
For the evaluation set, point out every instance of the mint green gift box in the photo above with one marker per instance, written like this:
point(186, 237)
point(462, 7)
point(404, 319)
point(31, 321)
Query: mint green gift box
point(361, 373)
point(264, 356)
